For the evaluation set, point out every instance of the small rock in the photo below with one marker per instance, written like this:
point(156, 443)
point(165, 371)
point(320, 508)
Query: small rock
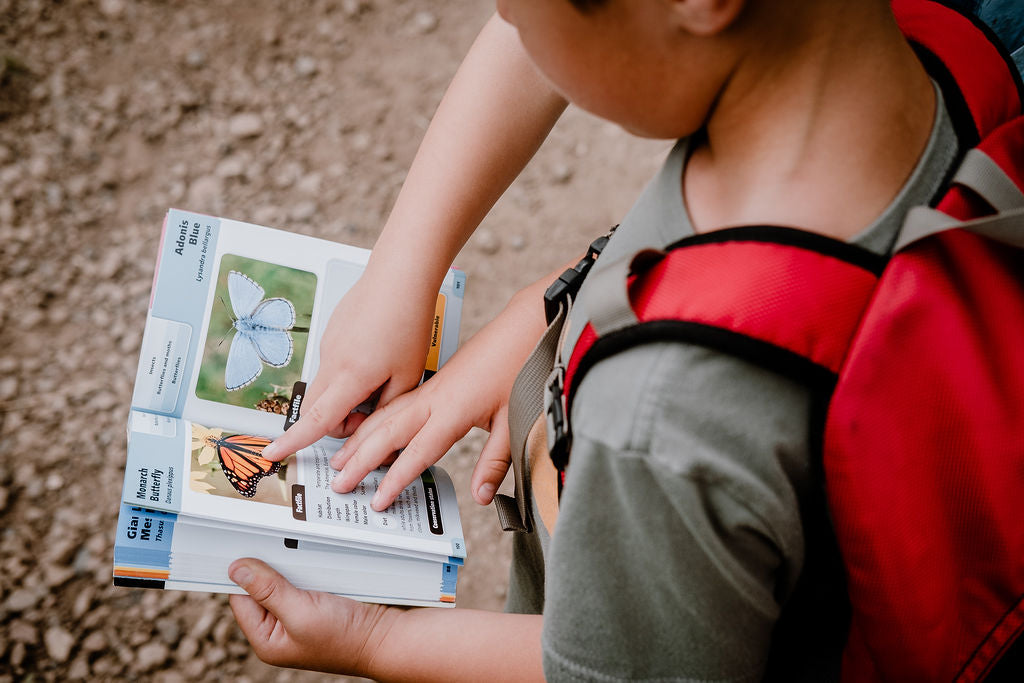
point(305, 67)
point(561, 173)
point(106, 667)
point(243, 126)
point(232, 167)
point(112, 9)
point(62, 550)
point(56, 577)
point(223, 630)
point(488, 242)
point(151, 656)
point(169, 630)
point(309, 184)
point(205, 622)
point(353, 8)
point(361, 142)
point(187, 649)
point(83, 561)
point(7, 212)
point(58, 643)
point(110, 99)
point(215, 655)
point(425, 22)
point(83, 601)
point(205, 193)
point(8, 388)
point(304, 211)
point(94, 642)
point(39, 166)
point(79, 669)
point(195, 669)
point(54, 195)
point(21, 600)
point(195, 59)
point(23, 632)
point(17, 655)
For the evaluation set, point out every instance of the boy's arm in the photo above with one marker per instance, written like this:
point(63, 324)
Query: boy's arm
point(290, 627)
point(495, 115)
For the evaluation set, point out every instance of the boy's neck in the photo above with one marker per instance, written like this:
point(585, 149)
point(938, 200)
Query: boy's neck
point(822, 137)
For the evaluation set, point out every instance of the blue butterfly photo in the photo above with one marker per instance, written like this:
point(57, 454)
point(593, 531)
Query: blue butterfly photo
point(258, 331)
point(261, 331)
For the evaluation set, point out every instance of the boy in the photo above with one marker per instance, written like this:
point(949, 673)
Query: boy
point(680, 550)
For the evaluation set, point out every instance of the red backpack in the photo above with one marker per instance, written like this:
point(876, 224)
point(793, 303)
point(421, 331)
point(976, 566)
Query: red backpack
point(920, 359)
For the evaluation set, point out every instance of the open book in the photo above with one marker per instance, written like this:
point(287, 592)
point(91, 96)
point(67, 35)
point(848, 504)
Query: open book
point(232, 337)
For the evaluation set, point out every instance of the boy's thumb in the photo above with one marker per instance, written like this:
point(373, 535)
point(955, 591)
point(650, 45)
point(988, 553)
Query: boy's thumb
point(272, 591)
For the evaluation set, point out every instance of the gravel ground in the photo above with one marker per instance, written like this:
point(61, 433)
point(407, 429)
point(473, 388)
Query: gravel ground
point(302, 116)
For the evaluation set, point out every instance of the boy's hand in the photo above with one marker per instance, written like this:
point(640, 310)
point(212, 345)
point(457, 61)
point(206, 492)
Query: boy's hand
point(375, 341)
point(302, 629)
point(471, 390)
point(426, 423)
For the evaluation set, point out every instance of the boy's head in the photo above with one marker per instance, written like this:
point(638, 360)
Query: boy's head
point(659, 67)
point(652, 66)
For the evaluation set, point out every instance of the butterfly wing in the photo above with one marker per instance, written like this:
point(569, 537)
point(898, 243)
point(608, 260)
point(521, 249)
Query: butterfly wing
point(244, 292)
point(242, 463)
point(273, 347)
point(244, 364)
point(277, 313)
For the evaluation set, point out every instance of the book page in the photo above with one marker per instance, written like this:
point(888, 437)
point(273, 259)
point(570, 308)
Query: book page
point(216, 473)
point(236, 315)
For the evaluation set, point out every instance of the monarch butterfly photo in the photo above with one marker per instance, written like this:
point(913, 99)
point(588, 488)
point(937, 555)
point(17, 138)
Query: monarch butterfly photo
point(232, 465)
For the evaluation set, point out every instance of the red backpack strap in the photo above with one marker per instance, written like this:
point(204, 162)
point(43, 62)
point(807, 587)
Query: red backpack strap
point(743, 291)
point(980, 83)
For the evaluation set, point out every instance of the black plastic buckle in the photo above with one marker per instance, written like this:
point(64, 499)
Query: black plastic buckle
point(569, 282)
point(557, 423)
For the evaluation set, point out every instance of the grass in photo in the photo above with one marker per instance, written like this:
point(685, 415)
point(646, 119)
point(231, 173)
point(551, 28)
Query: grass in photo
point(259, 328)
point(231, 465)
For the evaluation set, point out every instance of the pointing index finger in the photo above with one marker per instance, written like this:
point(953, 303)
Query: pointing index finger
point(316, 420)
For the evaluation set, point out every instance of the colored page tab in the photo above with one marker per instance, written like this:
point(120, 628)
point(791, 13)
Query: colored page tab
point(434, 352)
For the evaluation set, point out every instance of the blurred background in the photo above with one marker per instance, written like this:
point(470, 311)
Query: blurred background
point(297, 115)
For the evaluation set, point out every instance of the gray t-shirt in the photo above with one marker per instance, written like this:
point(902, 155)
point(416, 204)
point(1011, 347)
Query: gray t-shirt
point(680, 540)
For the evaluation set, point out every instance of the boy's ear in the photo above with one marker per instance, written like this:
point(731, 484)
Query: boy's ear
point(707, 17)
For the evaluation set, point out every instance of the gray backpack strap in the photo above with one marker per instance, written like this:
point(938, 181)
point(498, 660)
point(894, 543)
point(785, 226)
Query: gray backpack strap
point(1006, 227)
point(608, 307)
point(984, 176)
point(525, 404)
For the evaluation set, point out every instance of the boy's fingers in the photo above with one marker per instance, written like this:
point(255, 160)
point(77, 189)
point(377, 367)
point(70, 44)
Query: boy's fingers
point(493, 463)
point(365, 427)
point(269, 590)
point(426, 448)
point(316, 421)
point(391, 434)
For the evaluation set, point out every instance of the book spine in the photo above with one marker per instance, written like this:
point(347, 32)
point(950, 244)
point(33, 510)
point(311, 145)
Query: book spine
point(449, 579)
point(142, 546)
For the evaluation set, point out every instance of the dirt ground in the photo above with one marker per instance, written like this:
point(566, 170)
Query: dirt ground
point(297, 115)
